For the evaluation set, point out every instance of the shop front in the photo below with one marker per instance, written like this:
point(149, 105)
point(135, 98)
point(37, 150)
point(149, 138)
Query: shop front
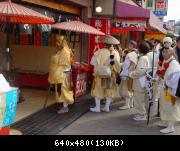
point(128, 29)
point(155, 28)
point(118, 21)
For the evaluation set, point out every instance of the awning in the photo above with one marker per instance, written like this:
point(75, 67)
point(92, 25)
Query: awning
point(156, 23)
point(124, 10)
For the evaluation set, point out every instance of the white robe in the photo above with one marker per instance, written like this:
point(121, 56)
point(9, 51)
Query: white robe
point(170, 112)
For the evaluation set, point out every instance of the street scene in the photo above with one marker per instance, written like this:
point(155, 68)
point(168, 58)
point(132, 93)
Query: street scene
point(89, 67)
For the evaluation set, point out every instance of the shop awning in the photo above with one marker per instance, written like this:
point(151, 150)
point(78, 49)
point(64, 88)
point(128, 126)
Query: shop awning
point(124, 10)
point(127, 11)
point(156, 23)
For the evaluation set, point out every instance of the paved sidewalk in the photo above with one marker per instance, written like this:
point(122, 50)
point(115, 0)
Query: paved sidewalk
point(115, 123)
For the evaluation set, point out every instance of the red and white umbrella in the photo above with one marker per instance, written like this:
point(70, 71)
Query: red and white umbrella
point(17, 14)
point(77, 26)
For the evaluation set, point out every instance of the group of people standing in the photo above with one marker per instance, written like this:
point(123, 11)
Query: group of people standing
point(141, 75)
point(126, 74)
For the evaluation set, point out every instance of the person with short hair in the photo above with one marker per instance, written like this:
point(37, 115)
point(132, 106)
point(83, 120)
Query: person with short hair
point(125, 88)
point(139, 82)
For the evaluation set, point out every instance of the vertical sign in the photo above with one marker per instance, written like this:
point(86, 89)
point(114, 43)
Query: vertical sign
point(81, 84)
point(161, 7)
point(103, 25)
point(150, 4)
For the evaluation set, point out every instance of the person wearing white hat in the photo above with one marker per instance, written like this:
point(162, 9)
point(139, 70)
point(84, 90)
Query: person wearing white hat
point(167, 42)
point(106, 64)
point(169, 73)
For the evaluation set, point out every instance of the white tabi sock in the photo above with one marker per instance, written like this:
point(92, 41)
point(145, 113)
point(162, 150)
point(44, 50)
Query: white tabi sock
point(107, 105)
point(97, 107)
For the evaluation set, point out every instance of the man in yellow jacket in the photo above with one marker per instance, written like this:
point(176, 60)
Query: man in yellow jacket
point(106, 64)
point(60, 74)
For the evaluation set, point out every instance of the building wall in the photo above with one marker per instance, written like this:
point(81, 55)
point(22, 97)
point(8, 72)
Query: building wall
point(87, 4)
point(35, 58)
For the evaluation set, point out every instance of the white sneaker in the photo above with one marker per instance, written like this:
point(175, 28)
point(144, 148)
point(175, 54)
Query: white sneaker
point(167, 130)
point(105, 110)
point(126, 107)
point(140, 118)
point(96, 110)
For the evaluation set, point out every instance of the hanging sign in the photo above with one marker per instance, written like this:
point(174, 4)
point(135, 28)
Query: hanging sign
point(103, 25)
point(150, 4)
point(130, 25)
point(161, 7)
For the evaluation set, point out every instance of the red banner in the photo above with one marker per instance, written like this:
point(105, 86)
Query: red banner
point(103, 25)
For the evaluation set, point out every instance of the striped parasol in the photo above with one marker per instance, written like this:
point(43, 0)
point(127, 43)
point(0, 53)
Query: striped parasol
point(77, 26)
point(17, 14)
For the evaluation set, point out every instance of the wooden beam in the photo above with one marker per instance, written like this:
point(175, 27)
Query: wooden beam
point(56, 5)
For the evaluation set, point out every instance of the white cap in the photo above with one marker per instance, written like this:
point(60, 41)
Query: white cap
point(167, 39)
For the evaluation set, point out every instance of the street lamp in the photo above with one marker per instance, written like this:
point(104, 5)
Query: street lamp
point(99, 9)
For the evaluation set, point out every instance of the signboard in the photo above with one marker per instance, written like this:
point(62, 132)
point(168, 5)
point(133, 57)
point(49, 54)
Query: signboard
point(150, 4)
point(8, 104)
point(130, 25)
point(103, 25)
point(81, 84)
point(161, 7)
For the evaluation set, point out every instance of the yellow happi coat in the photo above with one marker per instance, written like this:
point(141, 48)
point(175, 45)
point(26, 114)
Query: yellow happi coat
point(58, 64)
point(101, 57)
point(170, 110)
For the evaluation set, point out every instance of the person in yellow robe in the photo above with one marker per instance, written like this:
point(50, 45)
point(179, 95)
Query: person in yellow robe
point(60, 74)
point(139, 83)
point(169, 73)
point(106, 64)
